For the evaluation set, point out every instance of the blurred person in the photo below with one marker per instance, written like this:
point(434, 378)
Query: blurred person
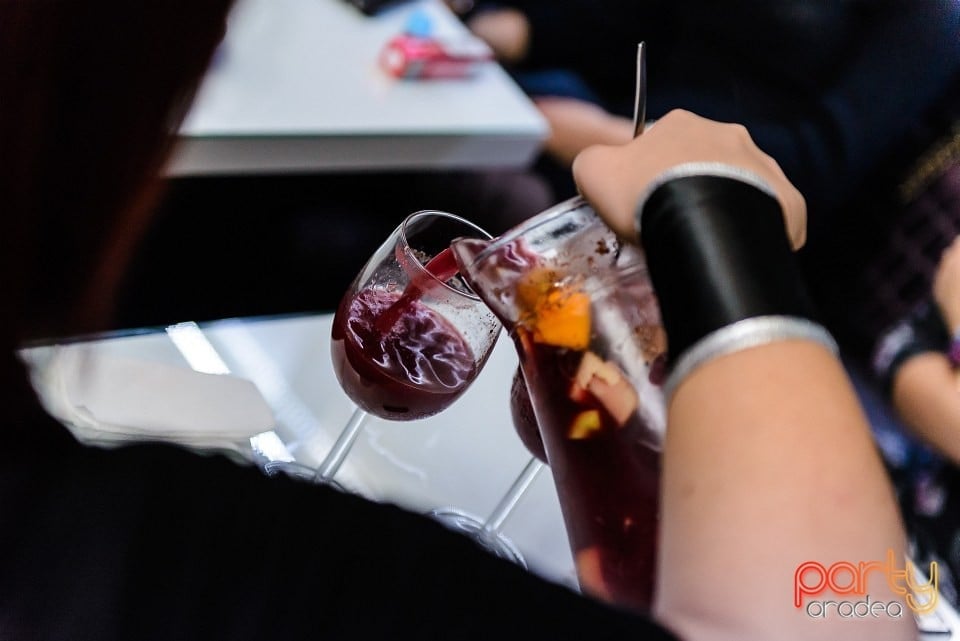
point(768, 461)
point(843, 94)
point(917, 363)
point(803, 76)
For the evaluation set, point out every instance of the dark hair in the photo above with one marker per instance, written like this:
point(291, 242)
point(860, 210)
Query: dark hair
point(90, 93)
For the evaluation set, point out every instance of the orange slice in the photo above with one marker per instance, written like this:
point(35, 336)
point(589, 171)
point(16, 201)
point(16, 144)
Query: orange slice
point(556, 313)
point(563, 320)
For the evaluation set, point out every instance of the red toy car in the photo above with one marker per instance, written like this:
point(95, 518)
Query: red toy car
point(408, 56)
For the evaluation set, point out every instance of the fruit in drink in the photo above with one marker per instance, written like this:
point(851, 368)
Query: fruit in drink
point(587, 338)
point(607, 478)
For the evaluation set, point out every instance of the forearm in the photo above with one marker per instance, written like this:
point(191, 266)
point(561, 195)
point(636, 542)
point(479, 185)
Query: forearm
point(926, 394)
point(575, 125)
point(506, 30)
point(769, 463)
point(769, 459)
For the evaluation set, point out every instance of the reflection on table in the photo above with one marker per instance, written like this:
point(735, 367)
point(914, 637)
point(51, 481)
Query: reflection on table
point(466, 456)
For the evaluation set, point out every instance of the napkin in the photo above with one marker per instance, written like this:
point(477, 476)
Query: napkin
point(108, 399)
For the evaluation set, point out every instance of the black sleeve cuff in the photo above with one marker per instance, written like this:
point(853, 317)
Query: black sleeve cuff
point(718, 253)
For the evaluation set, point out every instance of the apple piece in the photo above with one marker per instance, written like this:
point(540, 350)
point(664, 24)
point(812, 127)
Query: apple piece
point(607, 384)
point(590, 573)
point(585, 424)
point(619, 399)
point(590, 363)
point(592, 366)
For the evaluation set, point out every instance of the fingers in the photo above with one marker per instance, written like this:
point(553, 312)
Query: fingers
point(792, 202)
point(601, 172)
point(794, 207)
point(612, 178)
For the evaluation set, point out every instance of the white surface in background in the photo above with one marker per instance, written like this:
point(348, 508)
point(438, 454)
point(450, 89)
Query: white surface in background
point(297, 85)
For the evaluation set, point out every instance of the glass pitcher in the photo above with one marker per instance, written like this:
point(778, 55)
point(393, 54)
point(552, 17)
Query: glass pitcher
point(582, 314)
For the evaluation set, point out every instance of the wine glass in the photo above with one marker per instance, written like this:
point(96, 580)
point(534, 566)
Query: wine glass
point(408, 336)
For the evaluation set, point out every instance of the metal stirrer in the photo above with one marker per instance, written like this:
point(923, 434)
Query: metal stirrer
point(640, 95)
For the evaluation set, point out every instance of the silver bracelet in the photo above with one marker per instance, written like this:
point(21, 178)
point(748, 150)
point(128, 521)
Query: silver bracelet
point(743, 334)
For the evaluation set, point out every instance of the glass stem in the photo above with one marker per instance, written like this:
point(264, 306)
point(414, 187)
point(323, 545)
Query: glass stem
point(338, 453)
point(509, 501)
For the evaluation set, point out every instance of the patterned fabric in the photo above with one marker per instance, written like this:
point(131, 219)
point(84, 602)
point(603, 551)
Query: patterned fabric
point(904, 275)
point(922, 330)
point(930, 502)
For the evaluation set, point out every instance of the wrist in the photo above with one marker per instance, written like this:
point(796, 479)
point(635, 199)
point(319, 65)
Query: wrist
point(744, 334)
point(721, 264)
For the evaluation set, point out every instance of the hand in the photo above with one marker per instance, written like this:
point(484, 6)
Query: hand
point(506, 31)
point(946, 285)
point(612, 178)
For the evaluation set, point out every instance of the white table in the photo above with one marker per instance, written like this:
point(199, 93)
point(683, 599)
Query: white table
point(465, 457)
point(296, 87)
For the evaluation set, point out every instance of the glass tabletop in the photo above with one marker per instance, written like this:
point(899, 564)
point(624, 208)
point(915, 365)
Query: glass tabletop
point(466, 457)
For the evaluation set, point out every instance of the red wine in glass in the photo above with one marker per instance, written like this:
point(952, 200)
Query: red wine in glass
point(439, 269)
point(412, 370)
